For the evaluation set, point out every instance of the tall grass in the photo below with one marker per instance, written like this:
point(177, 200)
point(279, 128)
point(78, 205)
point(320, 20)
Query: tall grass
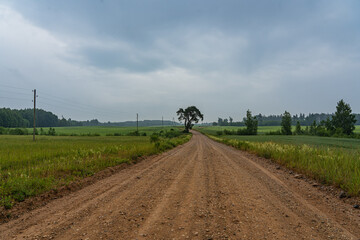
point(336, 166)
point(29, 168)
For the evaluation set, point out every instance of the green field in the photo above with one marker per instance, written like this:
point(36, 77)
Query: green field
point(261, 129)
point(348, 143)
point(29, 168)
point(103, 131)
point(357, 129)
point(330, 160)
point(214, 129)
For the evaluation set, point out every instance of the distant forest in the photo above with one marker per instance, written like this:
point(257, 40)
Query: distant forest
point(275, 120)
point(13, 118)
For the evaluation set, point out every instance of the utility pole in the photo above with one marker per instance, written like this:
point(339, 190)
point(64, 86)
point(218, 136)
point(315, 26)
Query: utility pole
point(34, 114)
point(137, 122)
point(162, 121)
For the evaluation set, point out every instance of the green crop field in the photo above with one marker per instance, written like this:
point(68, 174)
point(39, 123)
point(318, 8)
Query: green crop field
point(357, 129)
point(261, 129)
point(348, 143)
point(214, 129)
point(330, 160)
point(103, 131)
point(29, 168)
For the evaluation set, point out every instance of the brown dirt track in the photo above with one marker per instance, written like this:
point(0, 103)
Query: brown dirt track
point(201, 190)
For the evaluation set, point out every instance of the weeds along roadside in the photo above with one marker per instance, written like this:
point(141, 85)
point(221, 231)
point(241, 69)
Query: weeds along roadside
point(335, 166)
point(28, 169)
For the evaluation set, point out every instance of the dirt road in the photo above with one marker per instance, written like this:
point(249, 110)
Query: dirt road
point(201, 190)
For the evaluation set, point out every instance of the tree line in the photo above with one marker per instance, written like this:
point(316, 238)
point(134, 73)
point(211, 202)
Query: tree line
point(341, 123)
point(275, 120)
point(24, 118)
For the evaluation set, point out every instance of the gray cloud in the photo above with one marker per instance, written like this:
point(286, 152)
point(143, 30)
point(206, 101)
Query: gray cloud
point(224, 56)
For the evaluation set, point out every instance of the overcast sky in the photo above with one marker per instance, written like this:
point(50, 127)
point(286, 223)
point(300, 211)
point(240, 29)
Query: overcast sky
point(112, 59)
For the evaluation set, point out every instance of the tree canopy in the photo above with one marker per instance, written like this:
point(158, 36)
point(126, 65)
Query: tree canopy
point(286, 123)
point(190, 116)
point(251, 123)
point(343, 119)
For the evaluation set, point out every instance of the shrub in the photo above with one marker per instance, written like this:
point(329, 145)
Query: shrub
point(2, 130)
point(228, 132)
point(18, 131)
point(339, 132)
point(89, 134)
point(278, 132)
point(219, 133)
point(298, 130)
point(172, 134)
point(135, 133)
point(51, 132)
point(242, 131)
point(154, 138)
point(322, 132)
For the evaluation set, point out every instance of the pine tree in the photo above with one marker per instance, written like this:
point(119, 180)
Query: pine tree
point(298, 130)
point(251, 123)
point(343, 119)
point(286, 124)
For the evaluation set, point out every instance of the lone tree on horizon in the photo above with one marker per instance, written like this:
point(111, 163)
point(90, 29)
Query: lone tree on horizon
point(190, 116)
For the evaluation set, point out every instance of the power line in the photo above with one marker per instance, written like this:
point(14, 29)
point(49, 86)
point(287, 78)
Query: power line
point(94, 113)
point(66, 107)
point(77, 106)
point(15, 87)
point(51, 97)
point(27, 94)
point(70, 105)
point(15, 98)
point(73, 107)
point(61, 101)
point(55, 98)
point(70, 102)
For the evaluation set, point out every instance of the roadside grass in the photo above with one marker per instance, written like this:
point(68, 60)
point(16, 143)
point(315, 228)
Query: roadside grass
point(30, 168)
point(316, 141)
point(334, 161)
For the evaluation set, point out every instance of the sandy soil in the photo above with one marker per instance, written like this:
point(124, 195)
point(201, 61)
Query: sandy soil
point(200, 190)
